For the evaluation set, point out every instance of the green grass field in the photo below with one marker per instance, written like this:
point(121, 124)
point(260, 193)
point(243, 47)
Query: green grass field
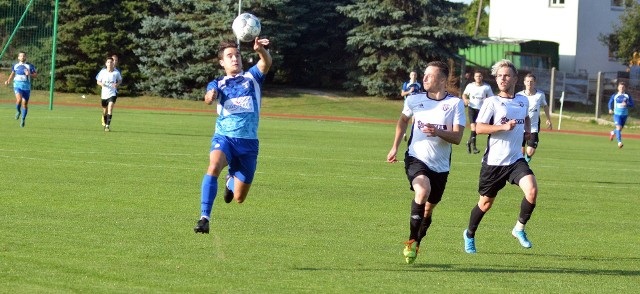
point(94, 212)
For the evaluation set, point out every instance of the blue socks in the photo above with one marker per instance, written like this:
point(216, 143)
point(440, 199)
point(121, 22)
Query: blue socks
point(209, 190)
point(24, 113)
point(618, 135)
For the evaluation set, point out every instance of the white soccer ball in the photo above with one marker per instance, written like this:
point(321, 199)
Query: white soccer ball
point(246, 27)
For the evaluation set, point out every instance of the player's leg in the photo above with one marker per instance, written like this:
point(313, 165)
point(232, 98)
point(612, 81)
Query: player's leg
point(243, 167)
point(209, 188)
point(104, 103)
point(532, 145)
point(18, 94)
point(526, 180)
point(437, 183)
point(492, 180)
point(25, 106)
point(472, 125)
point(110, 105)
point(622, 119)
point(473, 116)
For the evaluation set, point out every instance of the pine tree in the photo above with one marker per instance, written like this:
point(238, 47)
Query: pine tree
point(395, 37)
point(177, 46)
point(90, 31)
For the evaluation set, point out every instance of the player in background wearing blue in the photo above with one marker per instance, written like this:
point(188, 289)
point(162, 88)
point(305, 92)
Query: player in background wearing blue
point(22, 73)
point(109, 79)
point(618, 106)
point(504, 118)
point(438, 123)
point(235, 141)
point(410, 87)
point(537, 100)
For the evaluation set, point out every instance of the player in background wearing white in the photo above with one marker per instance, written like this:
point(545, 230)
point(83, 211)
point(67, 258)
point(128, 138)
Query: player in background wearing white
point(473, 96)
point(504, 118)
point(235, 142)
point(109, 79)
point(537, 100)
point(619, 104)
point(115, 67)
point(409, 88)
point(22, 73)
point(438, 122)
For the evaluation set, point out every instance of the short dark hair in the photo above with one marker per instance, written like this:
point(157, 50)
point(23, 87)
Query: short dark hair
point(530, 75)
point(443, 67)
point(223, 46)
point(622, 83)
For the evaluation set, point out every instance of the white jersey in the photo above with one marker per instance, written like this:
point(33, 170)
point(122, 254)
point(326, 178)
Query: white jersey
point(476, 94)
point(504, 147)
point(537, 101)
point(108, 79)
point(444, 114)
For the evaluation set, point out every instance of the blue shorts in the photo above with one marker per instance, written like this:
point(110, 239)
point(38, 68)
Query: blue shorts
point(620, 120)
point(26, 94)
point(242, 155)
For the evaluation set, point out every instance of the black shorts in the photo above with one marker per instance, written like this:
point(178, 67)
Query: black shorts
point(532, 142)
point(473, 115)
point(105, 102)
point(494, 177)
point(415, 167)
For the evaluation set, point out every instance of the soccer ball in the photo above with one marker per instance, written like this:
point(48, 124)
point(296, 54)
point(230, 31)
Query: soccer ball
point(246, 27)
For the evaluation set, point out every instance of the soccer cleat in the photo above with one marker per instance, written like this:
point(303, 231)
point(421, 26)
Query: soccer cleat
point(107, 129)
point(469, 147)
point(469, 243)
point(228, 194)
point(475, 150)
point(103, 123)
point(410, 251)
point(620, 144)
point(527, 158)
point(404, 137)
point(611, 136)
point(17, 115)
point(22, 123)
point(522, 238)
point(202, 226)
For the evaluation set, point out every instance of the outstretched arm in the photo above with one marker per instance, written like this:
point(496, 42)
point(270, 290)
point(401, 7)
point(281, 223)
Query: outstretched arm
point(265, 58)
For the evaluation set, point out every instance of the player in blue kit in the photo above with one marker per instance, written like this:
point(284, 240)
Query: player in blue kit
point(438, 123)
point(504, 118)
point(618, 106)
point(235, 141)
point(22, 73)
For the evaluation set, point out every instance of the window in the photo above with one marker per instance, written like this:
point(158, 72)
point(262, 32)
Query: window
point(558, 3)
point(613, 47)
point(621, 4)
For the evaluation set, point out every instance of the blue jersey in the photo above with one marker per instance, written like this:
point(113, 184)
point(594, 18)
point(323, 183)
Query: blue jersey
point(20, 79)
point(619, 103)
point(417, 88)
point(239, 101)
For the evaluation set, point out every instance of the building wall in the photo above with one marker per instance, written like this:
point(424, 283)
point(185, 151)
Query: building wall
point(575, 26)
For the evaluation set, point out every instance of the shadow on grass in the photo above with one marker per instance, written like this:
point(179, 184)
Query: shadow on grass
point(489, 268)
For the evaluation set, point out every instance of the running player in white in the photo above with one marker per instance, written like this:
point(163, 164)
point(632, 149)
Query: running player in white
point(109, 79)
point(473, 96)
point(504, 118)
point(537, 100)
point(438, 122)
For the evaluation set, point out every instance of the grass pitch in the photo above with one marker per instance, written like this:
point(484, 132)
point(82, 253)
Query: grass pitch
point(88, 211)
